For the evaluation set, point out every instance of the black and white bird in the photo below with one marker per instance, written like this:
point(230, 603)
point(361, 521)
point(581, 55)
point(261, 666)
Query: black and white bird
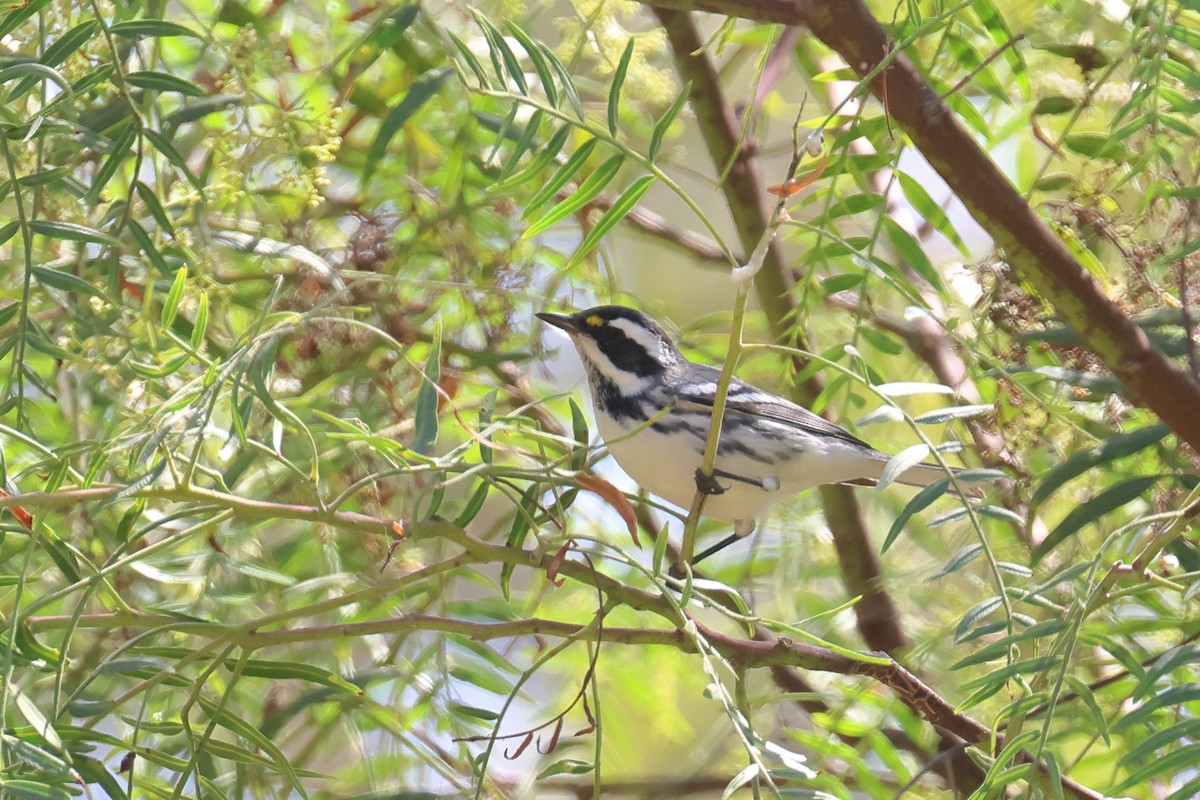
point(770, 448)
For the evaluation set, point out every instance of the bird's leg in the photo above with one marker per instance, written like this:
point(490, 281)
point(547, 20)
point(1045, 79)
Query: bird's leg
point(769, 483)
point(707, 484)
point(741, 529)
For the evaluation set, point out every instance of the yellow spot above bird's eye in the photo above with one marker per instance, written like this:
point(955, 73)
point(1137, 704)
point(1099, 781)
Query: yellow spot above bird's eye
point(594, 320)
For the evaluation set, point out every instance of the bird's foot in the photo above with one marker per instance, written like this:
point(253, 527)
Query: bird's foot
point(707, 484)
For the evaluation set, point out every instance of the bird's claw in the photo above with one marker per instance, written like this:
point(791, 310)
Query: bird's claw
point(707, 484)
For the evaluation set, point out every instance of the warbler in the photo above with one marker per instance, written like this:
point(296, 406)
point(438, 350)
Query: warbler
point(770, 448)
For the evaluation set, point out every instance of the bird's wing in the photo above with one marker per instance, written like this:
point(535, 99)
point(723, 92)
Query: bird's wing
point(700, 390)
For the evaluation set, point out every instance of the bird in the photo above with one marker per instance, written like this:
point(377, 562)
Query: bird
point(653, 409)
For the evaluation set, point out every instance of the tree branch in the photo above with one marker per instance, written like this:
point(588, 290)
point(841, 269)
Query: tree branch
point(1028, 244)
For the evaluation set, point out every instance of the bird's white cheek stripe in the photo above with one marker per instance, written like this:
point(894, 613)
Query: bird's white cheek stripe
point(626, 382)
point(649, 342)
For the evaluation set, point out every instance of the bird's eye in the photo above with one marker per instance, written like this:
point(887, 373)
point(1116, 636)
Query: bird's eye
point(594, 321)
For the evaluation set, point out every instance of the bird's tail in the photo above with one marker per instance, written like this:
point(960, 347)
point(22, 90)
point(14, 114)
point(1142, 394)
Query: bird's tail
point(923, 475)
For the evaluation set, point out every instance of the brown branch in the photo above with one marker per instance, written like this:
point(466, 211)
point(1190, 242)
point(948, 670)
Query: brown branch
point(876, 614)
point(741, 653)
point(1028, 244)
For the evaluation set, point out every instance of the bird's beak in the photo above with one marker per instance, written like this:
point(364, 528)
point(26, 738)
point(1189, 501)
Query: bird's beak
point(563, 321)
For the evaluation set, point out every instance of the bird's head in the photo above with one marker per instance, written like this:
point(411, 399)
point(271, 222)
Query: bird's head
point(619, 346)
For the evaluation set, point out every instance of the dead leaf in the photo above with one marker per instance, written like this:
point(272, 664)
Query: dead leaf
point(520, 748)
point(556, 563)
point(797, 184)
point(611, 495)
point(23, 516)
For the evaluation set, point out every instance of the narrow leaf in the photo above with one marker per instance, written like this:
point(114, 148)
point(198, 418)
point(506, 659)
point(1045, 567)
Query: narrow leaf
point(1107, 501)
point(70, 231)
point(1111, 449)
point(174, 296)
point(422, 89)
point(664, 122)
point(562, 176)
point(425, 422)
point(615, 213)
point(163, 82)
point(540, 65)
point(901, 463)
point(151, 27)
point(614, 92)
point(921, 500)
point(905, 388)
point(587, 191)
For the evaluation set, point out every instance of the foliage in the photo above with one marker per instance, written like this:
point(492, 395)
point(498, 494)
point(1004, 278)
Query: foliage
point(293, 509)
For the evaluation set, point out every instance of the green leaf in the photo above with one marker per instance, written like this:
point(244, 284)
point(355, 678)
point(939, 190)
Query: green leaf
point(900, 463)
point(664, 122)
point(614, 92)
point(116, 156)
point(65, 282)
point(615, 213)
point(58, 52)
point(545, 157)
point(163, 82)
point(1184, 758)
point(566, 766)
point(146, 246)
point(1054, 104)
point(579, 430)
point(523, 143)
point(163, 145)
point(174, 296)
point(425, 422)
point(422, 89)
point(910, 250)
point(199, 109)
point(564, 77)
point(36, 71)
point(473, 712)
point(1107, 501)
point(960, 560)
point(1169, 701)
point(236, 725)
point(1096, 144)
point(921, 500)
point(562, 176)
point(200, 326)
point(587, 191)
point(19, 14)
point(501, 52)
point(977, 612)
point(151, 27)
point(521, 525)
point(954, 412)
point(474, 506)
point(540, 65)
point(7, 230)
point(44, 177)
point(933, 213)
point(472, 61)
point(70, 231)
point(1085, 693)
point(33, 790)
point(154, 207)
point(1111, 449)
